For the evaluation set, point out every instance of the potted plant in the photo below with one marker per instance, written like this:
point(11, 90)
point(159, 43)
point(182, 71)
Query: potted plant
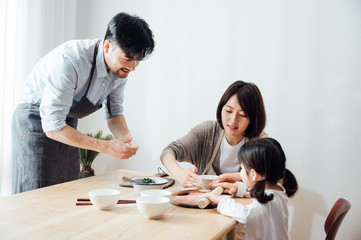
point(87, 156)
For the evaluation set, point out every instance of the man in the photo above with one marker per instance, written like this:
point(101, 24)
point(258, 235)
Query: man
point(71, 82)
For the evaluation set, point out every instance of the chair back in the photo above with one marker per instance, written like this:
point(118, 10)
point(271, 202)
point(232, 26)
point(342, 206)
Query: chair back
point(335, 217)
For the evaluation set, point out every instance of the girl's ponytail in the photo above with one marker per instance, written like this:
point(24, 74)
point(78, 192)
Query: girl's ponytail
point(266, 157)
point(257, 192)
point(290, 183)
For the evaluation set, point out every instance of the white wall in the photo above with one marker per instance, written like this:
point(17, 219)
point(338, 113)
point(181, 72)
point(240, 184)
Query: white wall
point(304, 56)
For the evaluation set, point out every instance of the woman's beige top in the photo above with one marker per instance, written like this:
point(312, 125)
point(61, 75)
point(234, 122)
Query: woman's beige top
point(198, 146)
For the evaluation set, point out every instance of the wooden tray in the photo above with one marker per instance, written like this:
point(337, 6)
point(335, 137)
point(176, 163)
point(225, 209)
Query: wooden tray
point(188, 199)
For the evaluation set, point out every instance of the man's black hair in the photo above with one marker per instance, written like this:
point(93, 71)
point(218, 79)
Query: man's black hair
point(131, 34)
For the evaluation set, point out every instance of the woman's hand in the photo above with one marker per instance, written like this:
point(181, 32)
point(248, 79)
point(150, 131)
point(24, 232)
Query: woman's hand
point(229, 177)
point(231, 187)
point(188, 178)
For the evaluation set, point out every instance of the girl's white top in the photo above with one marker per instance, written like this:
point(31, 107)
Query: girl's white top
point(261, 221)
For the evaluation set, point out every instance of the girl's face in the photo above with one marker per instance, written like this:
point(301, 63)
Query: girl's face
point(245, 178)
point(234, 120)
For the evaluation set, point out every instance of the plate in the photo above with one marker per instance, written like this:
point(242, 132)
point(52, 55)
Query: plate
point(157, 180)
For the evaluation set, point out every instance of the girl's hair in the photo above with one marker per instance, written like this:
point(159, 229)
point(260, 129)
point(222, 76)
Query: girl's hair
point(266, 157)
point(250, 99)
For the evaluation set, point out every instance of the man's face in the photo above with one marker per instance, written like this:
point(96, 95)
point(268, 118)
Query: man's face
point(116, 61)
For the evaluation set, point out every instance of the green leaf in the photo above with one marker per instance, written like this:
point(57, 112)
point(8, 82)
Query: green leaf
point(87, 156)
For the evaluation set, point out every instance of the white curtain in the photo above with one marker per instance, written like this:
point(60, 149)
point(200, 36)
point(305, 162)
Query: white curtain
point(12, 55)
point(28, 30)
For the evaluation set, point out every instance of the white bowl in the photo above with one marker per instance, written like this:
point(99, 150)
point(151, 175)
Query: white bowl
point(104, 199)
point(206, 180)
point(138, 186)
point(152, 207)
point(156, 192)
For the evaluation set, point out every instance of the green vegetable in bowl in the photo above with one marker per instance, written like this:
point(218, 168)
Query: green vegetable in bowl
point(147, 180)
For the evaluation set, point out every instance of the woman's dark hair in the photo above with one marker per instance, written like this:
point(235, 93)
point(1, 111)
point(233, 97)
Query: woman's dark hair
point(266, 157)
point(131, 34)
point(250, 99)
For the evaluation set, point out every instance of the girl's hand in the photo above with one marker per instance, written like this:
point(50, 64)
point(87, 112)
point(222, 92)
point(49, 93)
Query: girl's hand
point(212, 197)
point(188, 178)
point(229, 177)
point(231, 187)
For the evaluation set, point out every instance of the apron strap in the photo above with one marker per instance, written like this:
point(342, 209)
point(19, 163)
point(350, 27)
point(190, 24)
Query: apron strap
point(92, 73)
point(209, 165)
point(108, 105)
point(93, 67)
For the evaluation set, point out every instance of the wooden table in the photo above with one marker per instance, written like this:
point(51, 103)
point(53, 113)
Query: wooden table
point(51, 213)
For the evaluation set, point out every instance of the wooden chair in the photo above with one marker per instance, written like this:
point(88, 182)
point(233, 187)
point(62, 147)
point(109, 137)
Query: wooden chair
point(335, 217)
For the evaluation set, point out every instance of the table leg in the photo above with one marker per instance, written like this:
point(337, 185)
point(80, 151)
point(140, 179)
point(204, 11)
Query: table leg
point(231, 235)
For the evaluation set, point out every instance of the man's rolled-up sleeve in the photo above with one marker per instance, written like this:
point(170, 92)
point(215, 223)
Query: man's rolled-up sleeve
point(58, 95)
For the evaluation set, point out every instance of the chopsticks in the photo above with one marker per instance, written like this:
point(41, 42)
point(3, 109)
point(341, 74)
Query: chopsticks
point(86, 201)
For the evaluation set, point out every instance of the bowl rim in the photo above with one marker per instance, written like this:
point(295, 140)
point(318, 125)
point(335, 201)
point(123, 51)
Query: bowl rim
point(107, 192)
point(162, 180)
point(157, 192)
point(142, 200)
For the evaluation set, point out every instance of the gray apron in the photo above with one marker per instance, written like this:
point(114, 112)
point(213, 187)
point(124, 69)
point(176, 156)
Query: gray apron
point(39, 161)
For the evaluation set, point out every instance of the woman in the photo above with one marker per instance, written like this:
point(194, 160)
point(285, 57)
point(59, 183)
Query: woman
point(212, 146)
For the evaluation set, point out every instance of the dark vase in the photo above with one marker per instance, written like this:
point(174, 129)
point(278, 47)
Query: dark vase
point(84, 173)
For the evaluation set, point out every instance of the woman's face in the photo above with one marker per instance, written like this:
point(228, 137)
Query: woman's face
point(234, 121)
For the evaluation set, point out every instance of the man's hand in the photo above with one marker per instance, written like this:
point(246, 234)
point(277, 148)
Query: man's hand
point(121, 148)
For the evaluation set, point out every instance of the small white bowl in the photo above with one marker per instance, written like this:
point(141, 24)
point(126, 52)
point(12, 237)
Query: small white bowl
point(138, 186)
point(104, 199)
point(206, 180)
point(152, 207)
point(156, 192)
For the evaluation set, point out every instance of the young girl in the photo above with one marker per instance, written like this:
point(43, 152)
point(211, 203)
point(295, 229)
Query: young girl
point(263, 168)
